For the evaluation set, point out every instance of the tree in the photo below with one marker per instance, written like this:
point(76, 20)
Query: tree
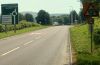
point(21, 17)
point(74, 17)
point(43, 18)
point(82, 1)
point(81, 16)
point(66, 20)
point(29, 17)
point(60, 20)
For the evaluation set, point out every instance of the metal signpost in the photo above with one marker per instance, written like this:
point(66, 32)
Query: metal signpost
point(91, 10)
point(9, 14)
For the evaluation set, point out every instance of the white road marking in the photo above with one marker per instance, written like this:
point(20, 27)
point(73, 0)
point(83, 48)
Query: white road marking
point(35, 33)
point(28, 42)
point(10, 51)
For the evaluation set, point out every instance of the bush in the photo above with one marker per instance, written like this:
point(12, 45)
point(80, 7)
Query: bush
point(2, 28)
point(18, 27)
point(84, 59)
point(35, 24)
point(97, 36)
point(23, 24)
point(10, 27)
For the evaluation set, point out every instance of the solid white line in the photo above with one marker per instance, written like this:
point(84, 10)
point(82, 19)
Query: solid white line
point(10, 51)
point(28, 42)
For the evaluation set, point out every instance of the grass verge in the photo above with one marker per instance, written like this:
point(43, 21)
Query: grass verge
point(11, 33)
point(80, 38)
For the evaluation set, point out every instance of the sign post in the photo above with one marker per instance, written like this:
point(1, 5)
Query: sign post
point(91, 23)
point(91, 10)
point(9, 14)
point(14, 13)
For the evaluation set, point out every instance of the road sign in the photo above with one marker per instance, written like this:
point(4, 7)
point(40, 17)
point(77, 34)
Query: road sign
point(9, 11)
point(90, 9)
point(90, 20)
point(6, 19)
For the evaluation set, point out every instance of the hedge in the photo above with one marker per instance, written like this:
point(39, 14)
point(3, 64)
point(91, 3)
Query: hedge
point(21, 25)
point(97, 36)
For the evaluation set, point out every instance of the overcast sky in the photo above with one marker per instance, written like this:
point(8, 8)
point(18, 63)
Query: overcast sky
point(51, 6)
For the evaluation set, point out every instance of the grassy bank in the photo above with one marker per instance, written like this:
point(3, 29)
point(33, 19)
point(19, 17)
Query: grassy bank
point(80, 38)
point(11, 33)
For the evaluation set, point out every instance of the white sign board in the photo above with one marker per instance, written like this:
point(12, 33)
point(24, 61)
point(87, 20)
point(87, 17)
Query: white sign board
point(6, 19)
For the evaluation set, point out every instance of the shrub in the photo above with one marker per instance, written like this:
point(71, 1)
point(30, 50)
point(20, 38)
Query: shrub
point(18, 27)
point(88, 60)
point(10, 27)
point(2, 28)
point(23, 24)
point(35, 24)
point(97, 36)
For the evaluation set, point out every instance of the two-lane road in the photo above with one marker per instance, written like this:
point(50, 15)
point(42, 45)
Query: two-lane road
point(48, 46)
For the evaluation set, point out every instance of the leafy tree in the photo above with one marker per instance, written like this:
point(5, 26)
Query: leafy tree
point(43, 18)
point(29, 17)
point(66, 19)
point(60, 20)
point(81, 16)
point(82, 1)
point(21, 17)
point(74, 17)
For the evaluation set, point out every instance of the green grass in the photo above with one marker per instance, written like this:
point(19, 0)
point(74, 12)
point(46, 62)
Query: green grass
point(11, 33)
point(80, 38)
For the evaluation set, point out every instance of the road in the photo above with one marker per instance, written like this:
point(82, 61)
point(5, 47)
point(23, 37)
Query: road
point(48, 46)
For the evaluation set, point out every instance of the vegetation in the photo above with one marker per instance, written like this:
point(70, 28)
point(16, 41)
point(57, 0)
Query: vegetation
point(23, 24)
point(22, 27)
point(43, 18)
point(62, 19)
point(21, 17)
point(80, 38)
point(74, 17)
point(29, 17)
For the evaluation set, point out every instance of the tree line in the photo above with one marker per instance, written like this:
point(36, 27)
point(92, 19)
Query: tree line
point(44, 18)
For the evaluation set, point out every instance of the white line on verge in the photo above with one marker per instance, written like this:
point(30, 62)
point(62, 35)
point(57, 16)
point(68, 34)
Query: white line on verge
point(28, 42)
point(10, 51)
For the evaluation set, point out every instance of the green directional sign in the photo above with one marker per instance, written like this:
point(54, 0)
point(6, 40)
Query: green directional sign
point(9, 13)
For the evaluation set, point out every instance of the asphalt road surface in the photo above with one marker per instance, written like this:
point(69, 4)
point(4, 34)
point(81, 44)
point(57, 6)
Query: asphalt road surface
point(48, 46)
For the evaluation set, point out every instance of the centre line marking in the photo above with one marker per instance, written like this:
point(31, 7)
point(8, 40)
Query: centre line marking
point(28, 42)
point(10, 51)
point(35, 33)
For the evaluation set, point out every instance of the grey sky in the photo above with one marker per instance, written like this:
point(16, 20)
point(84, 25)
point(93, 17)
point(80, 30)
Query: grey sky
point(51, 6)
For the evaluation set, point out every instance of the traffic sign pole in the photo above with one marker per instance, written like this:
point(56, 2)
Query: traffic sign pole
point(5, 28)
point(91, 10)
point(91, 23)
point(91, 31)
point(14, 23)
